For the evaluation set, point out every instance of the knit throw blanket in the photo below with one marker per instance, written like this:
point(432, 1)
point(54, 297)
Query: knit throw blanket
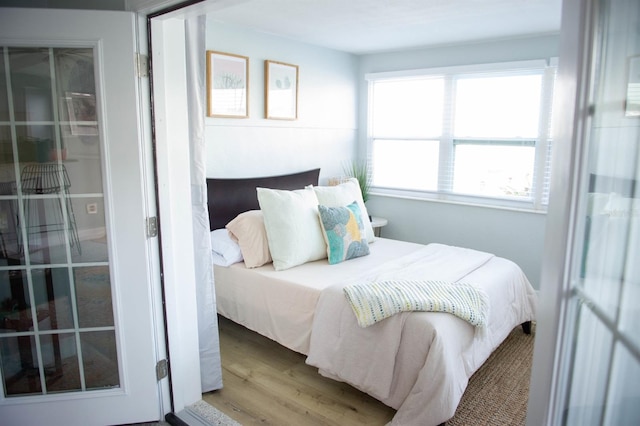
point(376, 301)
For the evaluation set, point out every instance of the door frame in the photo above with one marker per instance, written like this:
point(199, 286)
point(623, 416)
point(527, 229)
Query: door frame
point(168, 121)
point(570, 104)
point(169, 129)
point(151, 204)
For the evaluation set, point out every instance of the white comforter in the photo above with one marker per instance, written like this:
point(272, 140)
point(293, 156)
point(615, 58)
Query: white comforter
point(420, 362)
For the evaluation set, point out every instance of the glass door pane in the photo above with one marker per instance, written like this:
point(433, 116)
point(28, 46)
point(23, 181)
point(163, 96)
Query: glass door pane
point(603, 363)
point(57, 331)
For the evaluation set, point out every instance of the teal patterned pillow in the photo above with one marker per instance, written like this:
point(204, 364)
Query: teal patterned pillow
point(343, 231)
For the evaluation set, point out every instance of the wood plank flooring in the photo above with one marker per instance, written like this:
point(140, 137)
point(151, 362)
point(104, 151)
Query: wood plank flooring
point(267, 384)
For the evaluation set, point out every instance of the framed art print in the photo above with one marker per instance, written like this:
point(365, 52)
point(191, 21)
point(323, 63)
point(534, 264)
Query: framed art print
point(227, 85)
point(81, 108)
point(281, 90)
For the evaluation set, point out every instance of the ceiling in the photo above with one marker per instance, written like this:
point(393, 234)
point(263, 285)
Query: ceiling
point(362, 26)
point(366, 26)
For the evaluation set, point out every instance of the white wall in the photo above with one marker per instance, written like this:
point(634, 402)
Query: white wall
point(515, 235)
point(325, 133)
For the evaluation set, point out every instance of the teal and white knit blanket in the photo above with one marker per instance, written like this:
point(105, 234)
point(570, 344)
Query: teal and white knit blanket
point(376, 301)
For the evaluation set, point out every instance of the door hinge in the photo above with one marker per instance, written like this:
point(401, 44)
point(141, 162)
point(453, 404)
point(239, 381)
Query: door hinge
point(152, 227)
point(162, 369)
point(142, 65)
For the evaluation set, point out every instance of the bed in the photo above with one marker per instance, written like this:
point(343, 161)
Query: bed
point(416, 362)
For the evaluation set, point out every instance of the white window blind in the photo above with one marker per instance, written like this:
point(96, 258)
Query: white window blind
point(408, 108)
point(479, 132)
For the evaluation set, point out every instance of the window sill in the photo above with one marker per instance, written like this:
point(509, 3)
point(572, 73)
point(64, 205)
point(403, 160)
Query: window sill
point(462, 200)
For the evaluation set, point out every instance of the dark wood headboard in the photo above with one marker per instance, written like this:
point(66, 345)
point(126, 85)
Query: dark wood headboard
point(227, 198)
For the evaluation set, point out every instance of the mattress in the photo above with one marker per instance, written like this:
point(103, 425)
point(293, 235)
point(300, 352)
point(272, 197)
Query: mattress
point(281, 304)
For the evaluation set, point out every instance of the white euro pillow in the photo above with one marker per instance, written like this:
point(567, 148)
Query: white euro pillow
point(343, 195)
point(293, 228)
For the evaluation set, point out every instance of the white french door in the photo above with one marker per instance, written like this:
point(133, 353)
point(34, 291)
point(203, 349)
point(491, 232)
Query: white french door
point(77, 331)
point(586, 368)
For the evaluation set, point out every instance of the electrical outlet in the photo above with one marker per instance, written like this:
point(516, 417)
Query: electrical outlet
point(92, 208)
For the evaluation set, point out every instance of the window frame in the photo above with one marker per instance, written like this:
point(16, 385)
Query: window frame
point(538, 200)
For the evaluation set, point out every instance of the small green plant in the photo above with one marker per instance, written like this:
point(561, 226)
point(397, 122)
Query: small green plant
point(359, 169)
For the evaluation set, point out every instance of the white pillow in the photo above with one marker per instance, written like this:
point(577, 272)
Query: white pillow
point(225, 247)
point(343, 195)
point(292, 225)
point(218, 259)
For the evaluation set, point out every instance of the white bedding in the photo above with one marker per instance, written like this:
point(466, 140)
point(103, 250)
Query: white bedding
point(422, 377)
point(281, 304)
point(418, 363)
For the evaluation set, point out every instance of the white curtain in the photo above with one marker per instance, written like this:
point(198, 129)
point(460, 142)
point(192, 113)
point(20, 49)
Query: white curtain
point(210, 368)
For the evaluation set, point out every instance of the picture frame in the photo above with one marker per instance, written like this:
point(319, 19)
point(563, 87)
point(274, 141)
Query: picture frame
point(81, 108)
point(227, 85)
point(281, 90)
point(632, 107)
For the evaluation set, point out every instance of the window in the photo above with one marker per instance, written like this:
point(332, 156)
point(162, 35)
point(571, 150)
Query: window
point(466, 133)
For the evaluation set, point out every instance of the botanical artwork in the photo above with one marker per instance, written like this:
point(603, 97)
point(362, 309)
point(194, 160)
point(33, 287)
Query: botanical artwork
point(227, 80)
point(281, 90)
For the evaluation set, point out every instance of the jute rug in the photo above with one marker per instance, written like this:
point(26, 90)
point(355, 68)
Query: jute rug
point(211, 416)
point(498, 392)
point(203, 413)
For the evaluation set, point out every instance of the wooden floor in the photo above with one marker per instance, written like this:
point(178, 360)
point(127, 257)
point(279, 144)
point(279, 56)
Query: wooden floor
point(267, 384)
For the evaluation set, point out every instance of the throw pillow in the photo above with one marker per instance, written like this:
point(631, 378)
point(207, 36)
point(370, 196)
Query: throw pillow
point(343, 232)
point(343, 194)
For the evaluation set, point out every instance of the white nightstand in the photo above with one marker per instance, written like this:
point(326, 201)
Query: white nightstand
point(377, 223)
